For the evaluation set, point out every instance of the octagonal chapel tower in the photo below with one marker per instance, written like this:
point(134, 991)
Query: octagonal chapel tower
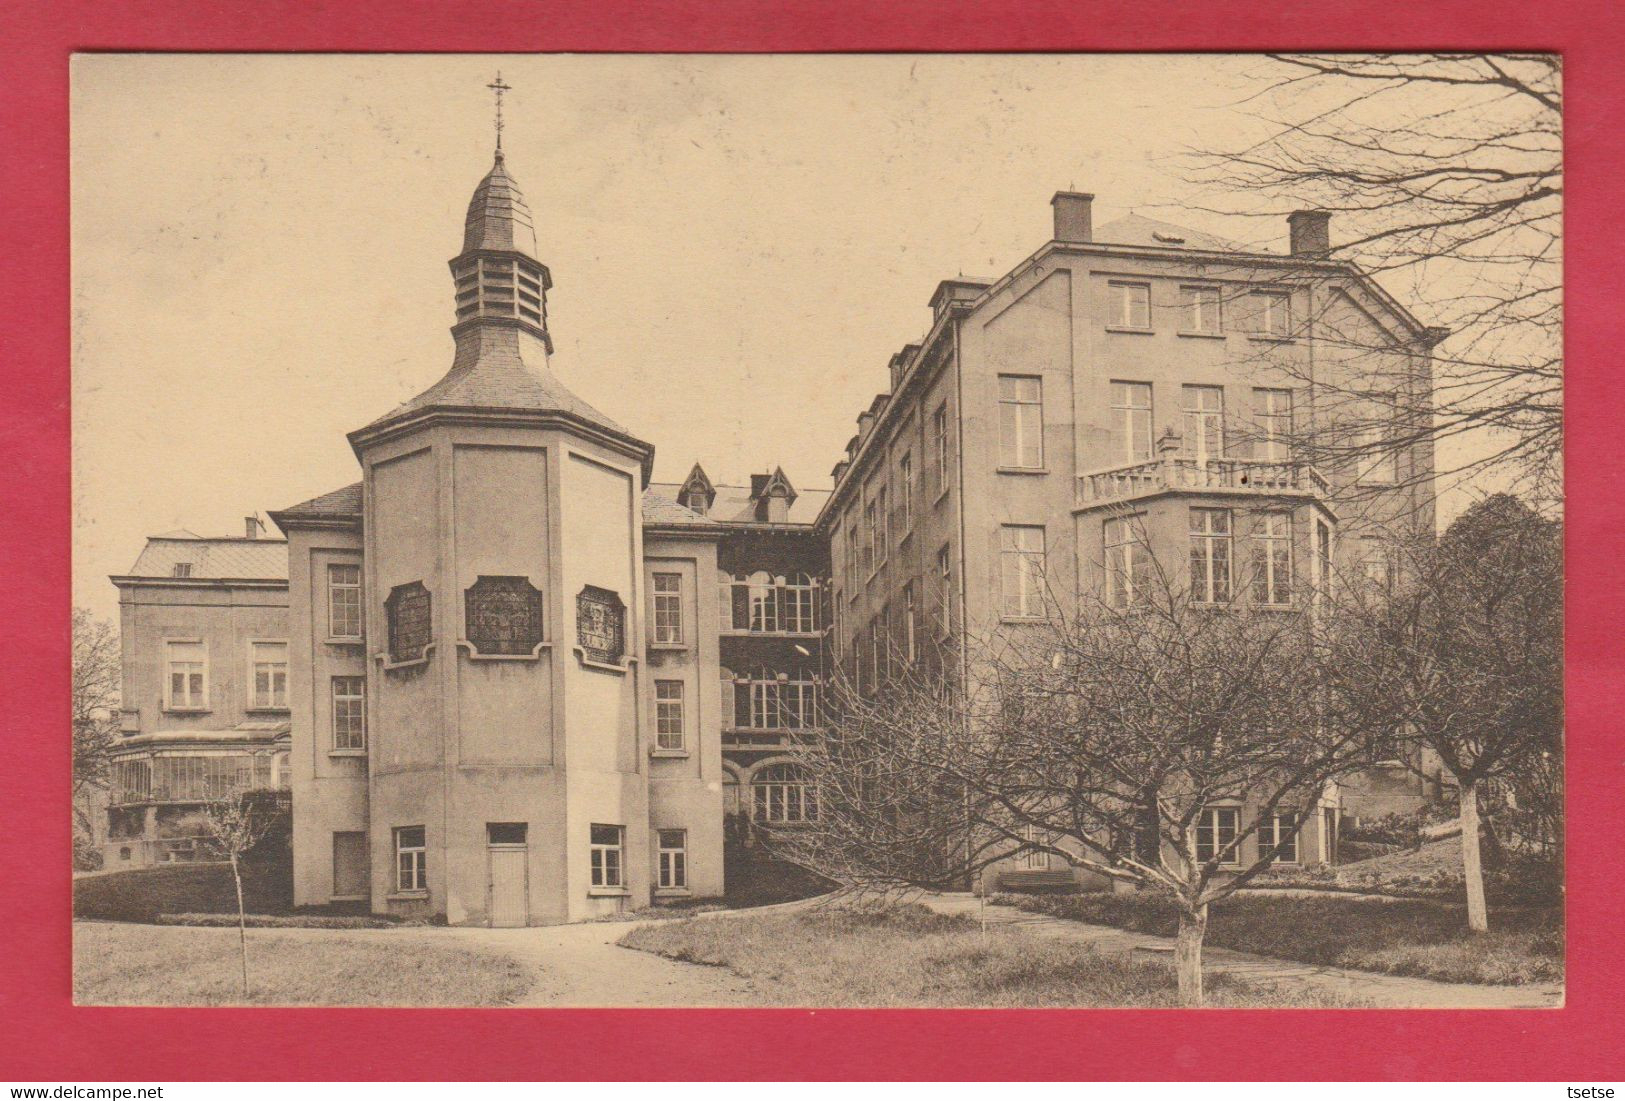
point(502, 584)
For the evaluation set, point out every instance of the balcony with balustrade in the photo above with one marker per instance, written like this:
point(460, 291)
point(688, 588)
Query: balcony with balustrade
point(1175, 473)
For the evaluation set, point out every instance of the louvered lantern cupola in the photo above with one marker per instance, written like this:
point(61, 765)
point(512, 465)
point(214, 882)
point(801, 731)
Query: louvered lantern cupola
point(499, 279)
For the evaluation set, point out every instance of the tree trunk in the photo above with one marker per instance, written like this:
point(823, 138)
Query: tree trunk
point(242, 922)
point(1188, 956)
point(1472, 865)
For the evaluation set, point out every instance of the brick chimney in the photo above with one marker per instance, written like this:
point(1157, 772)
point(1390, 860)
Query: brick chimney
point(1074, 220)
point(1310, 232)
point(252, 526)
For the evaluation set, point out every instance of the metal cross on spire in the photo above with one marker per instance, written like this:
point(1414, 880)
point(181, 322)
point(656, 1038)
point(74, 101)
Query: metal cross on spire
point(499, 88)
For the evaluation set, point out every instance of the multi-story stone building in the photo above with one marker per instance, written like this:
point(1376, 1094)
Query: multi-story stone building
point(1138, 391)
point(510, 681)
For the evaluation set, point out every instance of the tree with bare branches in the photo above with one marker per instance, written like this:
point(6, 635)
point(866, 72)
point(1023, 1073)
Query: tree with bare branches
point(1161, 742)
point(1444, 175)
point(95, 703)
point(236, 822)
point(1465, 656)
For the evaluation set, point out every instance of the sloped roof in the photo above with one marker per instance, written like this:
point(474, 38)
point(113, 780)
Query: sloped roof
point(341, 504)
point(498, 216)
point(500, 379)
point(660, 507)
point(734, 505)
point(1135, 229)
point(214, 559)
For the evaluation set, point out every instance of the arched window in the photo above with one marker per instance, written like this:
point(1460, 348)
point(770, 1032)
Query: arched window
point(783, 793)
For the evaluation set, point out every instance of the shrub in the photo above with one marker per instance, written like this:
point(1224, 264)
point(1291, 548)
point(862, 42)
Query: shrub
point(1393, 830)
point(86, 856)
point(281, 921)
point(142, 894)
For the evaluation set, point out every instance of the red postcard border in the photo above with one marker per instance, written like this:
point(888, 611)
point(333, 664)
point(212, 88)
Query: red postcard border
point(47, 1038)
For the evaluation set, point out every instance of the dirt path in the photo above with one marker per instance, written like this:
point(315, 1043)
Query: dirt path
point(1388, 991)
point(581, 965)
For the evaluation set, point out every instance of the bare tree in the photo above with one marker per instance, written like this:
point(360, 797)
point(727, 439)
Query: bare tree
point(1111, 738)
point(1445, 176)
point(235, 823)
point(1465, 655)
point(95, 702)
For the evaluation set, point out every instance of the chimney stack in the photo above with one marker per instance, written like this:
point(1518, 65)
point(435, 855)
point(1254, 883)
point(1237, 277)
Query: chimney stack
point(1310, 232)
point(1074, 222)
point(252, 526)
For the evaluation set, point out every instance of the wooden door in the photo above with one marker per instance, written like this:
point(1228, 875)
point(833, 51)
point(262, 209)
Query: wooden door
point(510, 901)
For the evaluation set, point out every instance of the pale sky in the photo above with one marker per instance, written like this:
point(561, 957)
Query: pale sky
point(738, 245)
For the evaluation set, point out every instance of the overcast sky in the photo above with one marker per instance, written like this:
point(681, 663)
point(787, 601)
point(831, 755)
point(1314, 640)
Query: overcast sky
point(738, 244)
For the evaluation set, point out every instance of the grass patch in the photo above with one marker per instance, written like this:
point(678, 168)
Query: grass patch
point(117, 964)
point(1397, 937)
point(908, 955)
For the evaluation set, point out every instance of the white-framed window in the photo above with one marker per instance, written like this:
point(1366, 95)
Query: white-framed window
point(1377, 457)
point(186, 679)
point(1131, 421)
point(939, 444)
point(1377, 563)
point(1204, 422)
point(871, 527)
point(668, 607)
point(1273, 410)
point(1128, 562)
point(343, 600)
point(945, 589)
point(1210, 555)
point(1280, 827)
point(853, 541)
point(905, 490)
point(768, 700)
point(764, 604)
point(1035, 859)
point(1272, 313)
point(910, 643)
point(607, 844)
point(1215, 832)
point(181, 569)
point(1201, 309)
point(268, 675)
point(1131, 305)
point(349, 713)
point(1323, 559)
point(1272, 558)
point(1021, 570)
point(670, 731)
point(783, 793)
point(672, 847)
point(882, 531)
point(411, 859)
point(1021, 422)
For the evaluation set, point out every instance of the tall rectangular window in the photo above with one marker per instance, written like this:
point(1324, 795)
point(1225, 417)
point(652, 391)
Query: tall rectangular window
point(1272, 409)
point(343, 600)
point(1034, 857)
point(672, 846)
point(1377, 563)
point(1377, 457)
point(1131, 305)
point(668, 607)
point(854, 539)
point(1128, 563)
point(1131, 421)
point(268, 662)
point(1279, 828)
point(945, 589)
point(910, 645)
point(871, 526)
point(669, 720)
point(1272, 313)
point(606, 843)
point(1272, 558)
point(882, 529)
point(1210, 555)
point(1204, 422)
point(1021, 422)
point(1021, 561)
point(1216, 832)
point(411, 859)
point(905, 490)
point(186, 681)
point(349, 712)
point(877, 651)
point(1323, 559)
point(939, 444)
point(1201, 309)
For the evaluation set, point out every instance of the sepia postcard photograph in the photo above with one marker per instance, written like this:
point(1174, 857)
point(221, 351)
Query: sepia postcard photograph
point(860, 530)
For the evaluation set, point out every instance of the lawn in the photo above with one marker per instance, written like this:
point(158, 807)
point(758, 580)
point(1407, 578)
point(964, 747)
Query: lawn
point(907, 955)
point(118, 964)
point(1395, 936)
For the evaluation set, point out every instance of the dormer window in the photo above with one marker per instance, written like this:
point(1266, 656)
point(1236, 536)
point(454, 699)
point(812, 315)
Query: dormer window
point(181, 569)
